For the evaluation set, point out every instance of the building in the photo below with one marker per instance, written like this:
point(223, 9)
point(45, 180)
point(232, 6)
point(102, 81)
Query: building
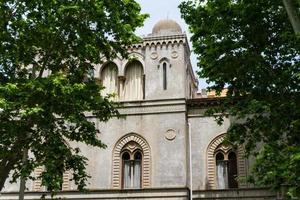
point(165, 146)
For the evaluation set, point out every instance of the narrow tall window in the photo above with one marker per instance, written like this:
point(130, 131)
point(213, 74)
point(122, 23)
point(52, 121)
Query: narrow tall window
point(165, 76)
point(144, 86)
point(133, 86)
point(126, 170)
point(221, 171)
point(232, 170)
point(132, 169)
point(137, 170)
point(109, 77)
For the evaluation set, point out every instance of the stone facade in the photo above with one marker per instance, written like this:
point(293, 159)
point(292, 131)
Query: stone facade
point(167, 125)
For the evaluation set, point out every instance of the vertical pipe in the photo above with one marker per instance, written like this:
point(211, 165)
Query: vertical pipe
point(190, 159)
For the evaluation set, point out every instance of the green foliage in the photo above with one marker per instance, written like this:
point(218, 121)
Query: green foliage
point(47, 50)
point(250, 48)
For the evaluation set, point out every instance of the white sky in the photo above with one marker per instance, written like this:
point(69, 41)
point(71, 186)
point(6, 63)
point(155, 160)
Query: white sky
point(163, 9)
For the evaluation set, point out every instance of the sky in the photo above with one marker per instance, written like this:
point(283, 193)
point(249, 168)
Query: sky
point(162, 9)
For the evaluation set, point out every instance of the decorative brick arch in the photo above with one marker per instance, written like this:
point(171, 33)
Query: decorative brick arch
point(211, 163)
point(117, 161)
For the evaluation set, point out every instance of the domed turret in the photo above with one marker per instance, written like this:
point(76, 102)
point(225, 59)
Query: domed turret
point(166, 27)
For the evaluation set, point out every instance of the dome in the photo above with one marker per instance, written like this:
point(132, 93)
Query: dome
point(166, 27)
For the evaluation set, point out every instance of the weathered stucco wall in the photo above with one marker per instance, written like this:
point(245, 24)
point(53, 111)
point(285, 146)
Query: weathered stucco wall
point(172, 53)
point(168, 164)
point(204, 130)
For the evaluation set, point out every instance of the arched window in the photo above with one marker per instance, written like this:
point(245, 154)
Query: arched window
point(164, 64)
point(165, 76)
point(131, 167)
point(226, 168)
point(232, 170)
point(137, 170)
point(225, 165)
point(221, 171)
point(126, 168)
point(133, 87)
point(109, 79)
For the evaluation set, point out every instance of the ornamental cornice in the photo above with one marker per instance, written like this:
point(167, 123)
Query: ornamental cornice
point(157, 41)
point(144, 107)
point(164, 37)
point(158, 109)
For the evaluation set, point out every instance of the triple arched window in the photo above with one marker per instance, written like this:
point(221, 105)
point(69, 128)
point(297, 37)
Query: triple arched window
point(128, 87)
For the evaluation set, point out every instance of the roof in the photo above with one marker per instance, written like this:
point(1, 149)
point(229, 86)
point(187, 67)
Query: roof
point(166, 27)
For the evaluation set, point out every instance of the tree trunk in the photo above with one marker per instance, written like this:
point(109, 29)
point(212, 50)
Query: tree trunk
point(293, 13)
point(23, 179)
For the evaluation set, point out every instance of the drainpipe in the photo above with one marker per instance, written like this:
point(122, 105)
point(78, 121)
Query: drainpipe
point(190, 159)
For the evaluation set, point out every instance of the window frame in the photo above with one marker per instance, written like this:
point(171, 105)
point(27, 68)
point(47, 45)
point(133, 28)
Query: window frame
point(132, 161)
point(226, 160)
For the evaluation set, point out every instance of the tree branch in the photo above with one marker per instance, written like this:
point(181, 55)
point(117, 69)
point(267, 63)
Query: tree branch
point(292, 12)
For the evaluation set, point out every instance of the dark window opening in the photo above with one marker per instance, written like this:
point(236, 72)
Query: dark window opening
point(165, 76)
point(144, 86)
point(232, 170)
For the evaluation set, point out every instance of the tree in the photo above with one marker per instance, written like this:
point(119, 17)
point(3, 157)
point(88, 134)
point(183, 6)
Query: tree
point(48, 49)
point(250, 48)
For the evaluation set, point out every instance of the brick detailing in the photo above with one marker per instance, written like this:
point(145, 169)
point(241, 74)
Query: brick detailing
point(66, 182)
point(37, 183)
point(211, 163)
point(117, 161)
